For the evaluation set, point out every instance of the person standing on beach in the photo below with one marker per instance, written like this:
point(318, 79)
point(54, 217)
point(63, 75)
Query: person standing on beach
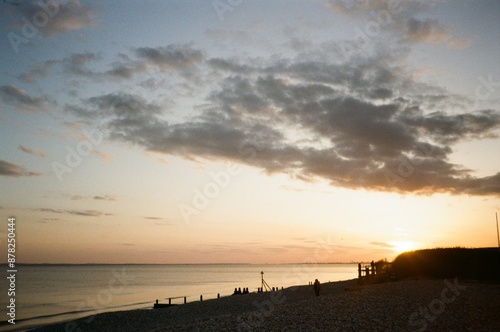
point(317, 287)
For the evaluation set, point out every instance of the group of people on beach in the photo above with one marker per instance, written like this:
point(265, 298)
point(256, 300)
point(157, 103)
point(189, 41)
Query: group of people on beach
point(239, 291)
point(316, 286)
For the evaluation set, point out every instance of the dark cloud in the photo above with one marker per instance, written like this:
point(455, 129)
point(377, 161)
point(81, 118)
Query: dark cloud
point(121, 71)
point(21, 100)
point(171, 57)
point(15, 170)
point(179, 59)
point(426, 31)
point(51, 18)
point(74, 64)
point(364, 123)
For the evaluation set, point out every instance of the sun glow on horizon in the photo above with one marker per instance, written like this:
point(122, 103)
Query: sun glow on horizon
point(401, 246)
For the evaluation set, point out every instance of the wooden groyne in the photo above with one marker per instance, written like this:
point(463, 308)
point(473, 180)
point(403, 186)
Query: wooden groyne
point(169, 304)
point(237, 291)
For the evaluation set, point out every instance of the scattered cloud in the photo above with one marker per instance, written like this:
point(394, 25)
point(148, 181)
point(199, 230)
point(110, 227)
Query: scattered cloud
point(27, 150)
point(84, 213)
point(400, 18)
point(96, 197)
point(382, 244)
point(105, 198)
point(172, 57)
point(182, 60)
point(426, 31)
point(59, 16)
point(76, 63)
point(50, 210)
point(47, 220)
point(14, 170)
point(37, 71)
point(13, 96)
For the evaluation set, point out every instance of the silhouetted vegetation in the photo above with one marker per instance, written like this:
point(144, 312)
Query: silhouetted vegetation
point(477, 264)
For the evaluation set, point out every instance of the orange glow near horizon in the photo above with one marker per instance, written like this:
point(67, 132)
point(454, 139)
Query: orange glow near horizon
point(403, 246)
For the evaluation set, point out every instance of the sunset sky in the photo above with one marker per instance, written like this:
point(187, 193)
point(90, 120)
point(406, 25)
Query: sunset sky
point(229, 131)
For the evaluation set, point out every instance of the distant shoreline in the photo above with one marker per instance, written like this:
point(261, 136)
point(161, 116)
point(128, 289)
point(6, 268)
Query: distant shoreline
point(176, 264)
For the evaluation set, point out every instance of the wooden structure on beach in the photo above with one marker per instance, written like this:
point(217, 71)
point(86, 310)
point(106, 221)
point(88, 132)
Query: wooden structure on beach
point(237, 291)
point(375, 272)
point(158, 305)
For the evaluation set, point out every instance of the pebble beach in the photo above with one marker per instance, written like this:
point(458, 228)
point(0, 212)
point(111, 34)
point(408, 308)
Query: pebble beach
point(406, 305)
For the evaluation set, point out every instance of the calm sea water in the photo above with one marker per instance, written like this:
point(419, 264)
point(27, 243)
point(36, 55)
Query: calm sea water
point(52, 293)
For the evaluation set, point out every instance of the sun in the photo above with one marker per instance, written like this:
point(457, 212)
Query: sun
point(402, 246)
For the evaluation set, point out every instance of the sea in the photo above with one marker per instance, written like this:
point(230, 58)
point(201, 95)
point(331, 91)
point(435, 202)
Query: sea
point(47, 294)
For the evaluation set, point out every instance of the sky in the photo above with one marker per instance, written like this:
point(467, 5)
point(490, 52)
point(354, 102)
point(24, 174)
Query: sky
point(236, 131)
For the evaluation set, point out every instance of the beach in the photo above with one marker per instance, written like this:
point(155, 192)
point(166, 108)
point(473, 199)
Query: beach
point(406, 305)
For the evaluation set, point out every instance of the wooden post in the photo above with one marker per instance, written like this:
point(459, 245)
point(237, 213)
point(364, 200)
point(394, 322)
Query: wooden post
point(184, 300)
point(169, 301)
point(201, 298)
point(156, 301)
point(498, 236)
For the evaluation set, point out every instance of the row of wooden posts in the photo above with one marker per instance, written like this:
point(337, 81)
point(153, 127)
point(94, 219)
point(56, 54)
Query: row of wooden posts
point(161, 305)
point(367, 269)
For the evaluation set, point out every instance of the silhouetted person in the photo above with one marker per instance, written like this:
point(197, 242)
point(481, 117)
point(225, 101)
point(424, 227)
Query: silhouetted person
point(316, 287)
